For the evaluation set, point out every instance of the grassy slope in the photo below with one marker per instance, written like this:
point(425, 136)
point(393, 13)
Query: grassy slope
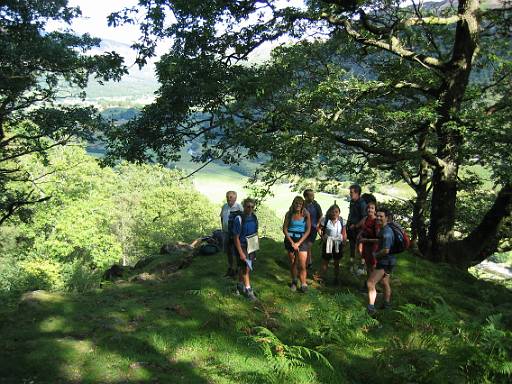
point(191, 328)
point(214, 180)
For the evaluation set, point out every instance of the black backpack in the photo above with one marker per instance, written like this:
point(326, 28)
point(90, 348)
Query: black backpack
point(369, 198)
point(401, 240)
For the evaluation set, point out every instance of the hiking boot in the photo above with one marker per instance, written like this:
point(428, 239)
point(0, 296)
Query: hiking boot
point(303, 289)
point(230, 273)
point(371, 310)
point(293, 287)
point(240, 289)
point(250, 295)
point(386, 305)
point(336, 281)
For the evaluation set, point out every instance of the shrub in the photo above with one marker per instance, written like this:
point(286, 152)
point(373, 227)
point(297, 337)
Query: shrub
point(40, 273)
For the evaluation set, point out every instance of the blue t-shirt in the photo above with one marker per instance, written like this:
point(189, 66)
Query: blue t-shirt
point(315, 212)
point(250, 227)
point(386, 238)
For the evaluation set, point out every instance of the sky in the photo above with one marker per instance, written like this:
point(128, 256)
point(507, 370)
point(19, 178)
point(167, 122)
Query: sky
point(94, 20)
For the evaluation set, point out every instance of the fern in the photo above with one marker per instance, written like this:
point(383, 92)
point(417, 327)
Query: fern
point(282, 357)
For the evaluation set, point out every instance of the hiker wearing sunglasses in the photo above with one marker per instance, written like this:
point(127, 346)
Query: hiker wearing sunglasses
point(245, 236)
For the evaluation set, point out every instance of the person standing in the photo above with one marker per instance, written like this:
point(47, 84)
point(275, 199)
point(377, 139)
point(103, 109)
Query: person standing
point(368, 241)
point(357, 211)
point(333, 234)
point(385, 261)
point(296, 228)
point(315, 213)
point(245, 226)
point(227, 209)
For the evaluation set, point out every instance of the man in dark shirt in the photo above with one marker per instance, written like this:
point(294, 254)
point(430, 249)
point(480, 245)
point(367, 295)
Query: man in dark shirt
point(385, 261)
point(357, 211)
point(315, 213)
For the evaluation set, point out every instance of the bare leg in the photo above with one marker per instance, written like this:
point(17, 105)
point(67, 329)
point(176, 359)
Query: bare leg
point(336, 268)
point(302, 271)
point(387, 288)
point(375, 277)
point(293, 265)
point(323, 268)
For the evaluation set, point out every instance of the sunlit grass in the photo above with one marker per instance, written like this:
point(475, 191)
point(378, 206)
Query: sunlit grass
point(192, 328)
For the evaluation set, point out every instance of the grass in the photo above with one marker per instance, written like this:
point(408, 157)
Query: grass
point(191, 328)
point(214, 180)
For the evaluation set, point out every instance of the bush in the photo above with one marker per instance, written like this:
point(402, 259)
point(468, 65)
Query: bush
point(40, 273)
point(98, 217)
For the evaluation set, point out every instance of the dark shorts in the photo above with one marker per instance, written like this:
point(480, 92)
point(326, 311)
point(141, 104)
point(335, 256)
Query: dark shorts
point(312, 237)
point(352, 234)
point(288, 246)
point(388, 268)
point(335, 255)
point(239, 262)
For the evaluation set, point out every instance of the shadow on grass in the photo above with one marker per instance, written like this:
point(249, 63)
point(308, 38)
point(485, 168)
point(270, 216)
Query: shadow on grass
point(191, 328)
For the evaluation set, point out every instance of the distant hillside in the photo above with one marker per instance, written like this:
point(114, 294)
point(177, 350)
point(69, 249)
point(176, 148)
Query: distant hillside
point(136, 88)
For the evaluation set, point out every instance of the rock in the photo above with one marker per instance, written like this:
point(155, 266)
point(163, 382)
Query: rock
point(144, 262)
point(36, 299)
point(143, 277)
point(179, 247)
point(114, 272)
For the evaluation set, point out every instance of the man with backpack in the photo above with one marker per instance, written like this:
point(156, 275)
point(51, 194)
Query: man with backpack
point(391, 242)
point(226, 217)
point(245, 240)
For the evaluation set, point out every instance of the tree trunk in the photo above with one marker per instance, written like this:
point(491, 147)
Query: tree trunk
point(450, 140)
point(419, 226)
point(483, 240)
point(442, 213)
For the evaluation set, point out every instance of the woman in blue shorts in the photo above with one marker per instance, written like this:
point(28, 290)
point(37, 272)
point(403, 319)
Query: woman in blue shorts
point(296, 228)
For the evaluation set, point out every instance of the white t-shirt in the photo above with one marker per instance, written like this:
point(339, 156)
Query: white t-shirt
point(224, 214)
point(334, 230)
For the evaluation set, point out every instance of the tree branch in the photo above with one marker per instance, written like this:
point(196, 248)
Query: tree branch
point(391, 45)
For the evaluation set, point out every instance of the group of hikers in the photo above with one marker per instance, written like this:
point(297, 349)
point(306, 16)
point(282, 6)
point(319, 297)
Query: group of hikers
point(369, 230)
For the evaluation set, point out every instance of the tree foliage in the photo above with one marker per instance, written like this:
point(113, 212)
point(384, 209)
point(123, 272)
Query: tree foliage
point(414, 92)
point(96, 217)
point(33, 66)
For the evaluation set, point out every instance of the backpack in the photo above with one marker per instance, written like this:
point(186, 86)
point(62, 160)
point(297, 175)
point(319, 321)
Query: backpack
point(231, 221)
point(369, 198)
point(324, 223)
point(208, 249)
point(401, 240)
